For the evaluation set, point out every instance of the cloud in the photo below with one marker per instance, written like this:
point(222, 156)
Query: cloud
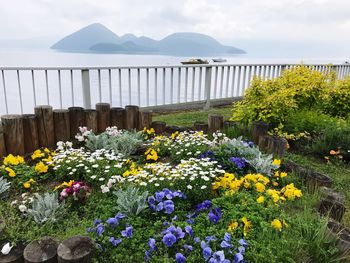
point(230, 21)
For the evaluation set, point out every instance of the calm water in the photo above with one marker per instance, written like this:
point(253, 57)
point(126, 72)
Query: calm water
point(47, 58)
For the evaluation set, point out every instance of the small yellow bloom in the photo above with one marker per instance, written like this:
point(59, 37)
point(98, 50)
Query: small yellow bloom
point(276, 224)
point(260, 187)
point(247, 225)
point(232, 226)
point(26, 185)
point(283, 174)
point(260, 199)
point(10, 171)
point(41, 168)
point(276, 162)
point(37, 154)
point(274, 183)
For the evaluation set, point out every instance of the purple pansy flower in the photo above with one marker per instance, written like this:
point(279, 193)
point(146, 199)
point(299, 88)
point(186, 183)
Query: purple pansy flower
point(215, 215)
point(180, 258)
point(115, 242)
point(127, 232)
point(169, 239)
point(207, 253)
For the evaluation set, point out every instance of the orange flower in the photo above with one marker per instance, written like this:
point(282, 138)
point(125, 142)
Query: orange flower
point(332, 152)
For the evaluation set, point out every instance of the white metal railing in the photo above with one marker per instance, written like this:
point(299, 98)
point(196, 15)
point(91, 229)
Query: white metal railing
point(22, 88)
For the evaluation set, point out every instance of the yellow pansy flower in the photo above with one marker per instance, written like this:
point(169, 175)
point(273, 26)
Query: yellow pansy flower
point(260, 187)
point(10, 171)
point(37, 154)
point(41, 168)
point(260, 199)
point(276, 162)
point(276, 224)
point(232, 226)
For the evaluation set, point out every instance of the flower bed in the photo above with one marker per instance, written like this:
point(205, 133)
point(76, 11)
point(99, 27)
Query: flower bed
point(187, 197)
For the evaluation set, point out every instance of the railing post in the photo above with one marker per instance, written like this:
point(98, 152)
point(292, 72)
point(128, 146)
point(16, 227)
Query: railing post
point(207, 87)
point(85, 78)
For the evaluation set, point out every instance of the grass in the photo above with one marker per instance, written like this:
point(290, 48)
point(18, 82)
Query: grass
point(339, 172)
point(187, 118)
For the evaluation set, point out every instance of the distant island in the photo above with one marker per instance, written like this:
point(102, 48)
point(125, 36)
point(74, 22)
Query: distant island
point(96, 38)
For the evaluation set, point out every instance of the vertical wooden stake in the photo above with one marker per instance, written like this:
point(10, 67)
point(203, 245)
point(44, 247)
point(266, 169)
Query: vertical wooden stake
point(118, 117)
point(103, 116)
point(2, 144)
point(145, 119)
point(46, 129)
point(132, 116)
point(215, 122)
point(62, 125)
point(76, 119)
point(31, 135)
point(13, 133)
point(91, 120)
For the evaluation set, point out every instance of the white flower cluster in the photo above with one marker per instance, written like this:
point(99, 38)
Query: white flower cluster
point(83, 134)
point(195, 173)
point(113, 131)
point(96, 165)
point(23, 202)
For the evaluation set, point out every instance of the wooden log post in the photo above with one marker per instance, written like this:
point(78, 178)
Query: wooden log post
point(263, 141)
point(76, 119)
point(270, 144)
point(229, 124)
point(31, 135)
point(62, 125)
point(3, 152)
point(200, 126)
point(77, 249)
point(132, 116)
point(316, 180)
point(158, 126)
point(13, 134)
point(15, 255)
point(259, 128)
point(280, 146)
point(118, 117)
point(46, 130)
point(331, 204)
point(91, 120)
point(172, 129)
point(43, 251)
point(341, 234)
point(103, 116)
point(145, 119)
point(215, 122)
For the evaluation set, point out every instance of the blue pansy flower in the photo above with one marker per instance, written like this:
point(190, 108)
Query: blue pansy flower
point(169, 239)
point(100, 229)
point(113, 222)
point(207, 253)
point(127, 232)
point(188, 248)
point(159, 196)
point(189, 230)
point(180, 258)
point(215, 215)
point(115, 242)
point(238, 258)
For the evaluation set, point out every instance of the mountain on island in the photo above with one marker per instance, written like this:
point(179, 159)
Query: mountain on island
point(96, 38)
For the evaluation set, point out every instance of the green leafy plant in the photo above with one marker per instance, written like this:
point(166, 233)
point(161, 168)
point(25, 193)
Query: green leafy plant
point(126, 142)
point(4, 185)
point(131, 201)
point(45, 208)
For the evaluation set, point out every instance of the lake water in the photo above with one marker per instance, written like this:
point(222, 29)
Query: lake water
point(50, 58)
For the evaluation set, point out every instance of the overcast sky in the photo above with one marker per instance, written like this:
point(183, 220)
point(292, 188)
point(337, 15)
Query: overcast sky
point(311, 23)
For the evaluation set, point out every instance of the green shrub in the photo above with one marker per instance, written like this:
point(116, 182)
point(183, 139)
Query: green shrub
point(336, 100)
point(273, 100)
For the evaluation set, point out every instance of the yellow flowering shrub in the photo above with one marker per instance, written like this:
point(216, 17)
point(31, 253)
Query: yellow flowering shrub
point(274, 99)
point(151, 154)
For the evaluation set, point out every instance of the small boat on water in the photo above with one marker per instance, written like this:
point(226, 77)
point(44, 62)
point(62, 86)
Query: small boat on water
point(195, 61)
point(219, 60)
